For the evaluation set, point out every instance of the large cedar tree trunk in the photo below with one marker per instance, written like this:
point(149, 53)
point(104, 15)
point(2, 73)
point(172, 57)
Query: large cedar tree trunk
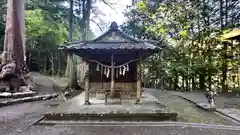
point(13, 66)
point(71, 64)
point(14, 33)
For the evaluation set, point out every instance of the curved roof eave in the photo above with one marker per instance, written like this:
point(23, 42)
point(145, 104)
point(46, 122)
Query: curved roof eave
point(99, 43)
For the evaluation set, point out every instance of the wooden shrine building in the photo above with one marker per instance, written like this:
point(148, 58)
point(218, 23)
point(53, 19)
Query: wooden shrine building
point(113, 62)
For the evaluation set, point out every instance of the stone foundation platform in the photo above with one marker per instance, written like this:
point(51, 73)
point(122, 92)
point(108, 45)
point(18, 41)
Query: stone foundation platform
point(150, 109)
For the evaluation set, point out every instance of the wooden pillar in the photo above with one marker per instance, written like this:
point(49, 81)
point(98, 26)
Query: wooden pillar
point(86, 80)
point(112, 91)
point(112, 77)
point(138, 81)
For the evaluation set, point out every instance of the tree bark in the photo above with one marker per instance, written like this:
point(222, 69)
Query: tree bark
point(72, 83)
point(71, 67)
point(14, 48)
point(70, 25)
point(202, 82)
point(67, 67)
point(14, 37)
point(224, 65)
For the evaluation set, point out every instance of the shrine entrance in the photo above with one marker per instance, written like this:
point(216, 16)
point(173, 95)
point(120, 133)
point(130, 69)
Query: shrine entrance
point(112, 72)
point(113, 64)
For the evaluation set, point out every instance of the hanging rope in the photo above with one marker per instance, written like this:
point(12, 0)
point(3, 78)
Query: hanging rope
point(119, 66)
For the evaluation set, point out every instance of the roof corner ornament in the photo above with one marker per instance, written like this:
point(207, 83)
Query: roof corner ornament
point(113, 25)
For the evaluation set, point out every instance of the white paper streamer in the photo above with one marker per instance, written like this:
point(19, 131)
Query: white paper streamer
point(120, 71)
point(97, 67)
point(108, 72)
point(127, 67)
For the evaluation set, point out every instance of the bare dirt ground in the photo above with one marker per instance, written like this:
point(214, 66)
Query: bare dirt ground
point(45, 83)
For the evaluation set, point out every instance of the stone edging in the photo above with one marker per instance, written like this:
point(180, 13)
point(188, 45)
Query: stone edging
point(198, 104)
point(28, 99)
point(215, 110)
point(111, 117)
point(219, 111)
point(19, 95)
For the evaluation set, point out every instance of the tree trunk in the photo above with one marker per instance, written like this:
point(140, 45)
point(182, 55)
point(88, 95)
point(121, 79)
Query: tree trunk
point(53, 66)
point(67, 67)
point(14, 48)
point(71, 67)
point(14, 37)
point(72, 83)
point(46, 64)
point(59, 65)
point(176, 82)
point(70, 25)
point(226, 12)
point(183, 84)
point(51, 59)
point(193, 84)
point(187, 83)
point(224, 65)
point(202, 82)
point(29, 58)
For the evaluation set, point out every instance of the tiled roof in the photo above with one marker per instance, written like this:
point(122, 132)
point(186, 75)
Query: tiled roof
point(107, 41)
point(235, 34)
point(112, 45)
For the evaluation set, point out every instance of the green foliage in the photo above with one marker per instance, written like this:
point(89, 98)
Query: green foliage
point(46, 27)
point(1, 33)
point(43, 34)
point(194, 56)
point(2, 25)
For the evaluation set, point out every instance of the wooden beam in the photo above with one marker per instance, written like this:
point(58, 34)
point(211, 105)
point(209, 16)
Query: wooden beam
point(112, 76)
point(139, 62)
point(86, 79)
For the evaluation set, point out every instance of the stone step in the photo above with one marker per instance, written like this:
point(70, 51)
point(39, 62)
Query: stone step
point(112, 117)
point(17, 94)
point(134, 123)
point(27, 99)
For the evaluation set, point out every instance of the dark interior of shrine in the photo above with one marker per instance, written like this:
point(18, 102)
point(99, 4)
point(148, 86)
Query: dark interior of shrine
point(120, 55)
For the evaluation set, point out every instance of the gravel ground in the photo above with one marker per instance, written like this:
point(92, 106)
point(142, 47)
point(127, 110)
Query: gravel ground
point(18, 119)
point(222, 100)
point(122, 130)
point(15, 117)
point(187, 111)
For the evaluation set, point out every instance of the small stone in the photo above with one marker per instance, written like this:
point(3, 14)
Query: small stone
point(2, 89)
point(32, 86)
point(4, 86)
point(24, 88)
point(5, 94)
